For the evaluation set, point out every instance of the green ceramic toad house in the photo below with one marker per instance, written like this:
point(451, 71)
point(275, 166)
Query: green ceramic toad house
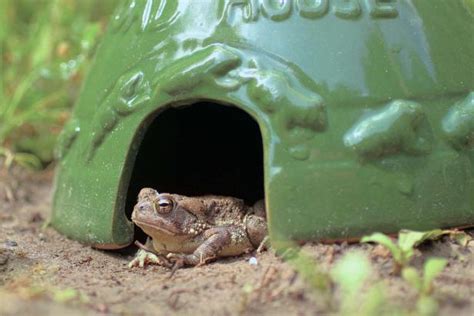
point(347, 116)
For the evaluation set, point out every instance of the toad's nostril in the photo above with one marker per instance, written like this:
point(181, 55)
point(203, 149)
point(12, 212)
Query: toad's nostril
point(141, 207)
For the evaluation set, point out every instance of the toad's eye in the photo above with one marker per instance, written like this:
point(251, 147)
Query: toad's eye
point(163, 205)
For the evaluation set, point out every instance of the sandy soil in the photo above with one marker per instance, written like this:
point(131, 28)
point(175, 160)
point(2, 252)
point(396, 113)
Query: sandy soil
point(42, 272)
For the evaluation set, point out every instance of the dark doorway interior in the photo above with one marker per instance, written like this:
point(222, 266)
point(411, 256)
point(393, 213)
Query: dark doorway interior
point(204, 148)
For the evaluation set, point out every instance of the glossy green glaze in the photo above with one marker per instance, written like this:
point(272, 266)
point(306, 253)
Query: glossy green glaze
point(365, 109)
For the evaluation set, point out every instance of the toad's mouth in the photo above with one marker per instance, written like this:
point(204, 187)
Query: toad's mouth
point(153, 226)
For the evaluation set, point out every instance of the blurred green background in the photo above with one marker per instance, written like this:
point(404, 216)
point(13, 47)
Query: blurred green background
point(46, 49)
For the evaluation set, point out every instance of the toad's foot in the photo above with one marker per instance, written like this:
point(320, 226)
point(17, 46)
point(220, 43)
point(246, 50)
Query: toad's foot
point(180, 260)
point(144, 258)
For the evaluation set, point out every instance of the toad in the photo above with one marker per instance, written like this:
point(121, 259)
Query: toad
point(195, 230)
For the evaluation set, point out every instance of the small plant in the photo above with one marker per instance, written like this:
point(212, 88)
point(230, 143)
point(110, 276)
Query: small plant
point(423, 284)
point(404, 250)
point(351, 274)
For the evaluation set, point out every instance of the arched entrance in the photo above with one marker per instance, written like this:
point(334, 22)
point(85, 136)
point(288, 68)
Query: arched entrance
point(203, 148)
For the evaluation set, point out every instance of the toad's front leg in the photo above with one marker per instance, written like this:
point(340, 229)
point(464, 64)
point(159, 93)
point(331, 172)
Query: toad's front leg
point(146, 256)
point(215, 240)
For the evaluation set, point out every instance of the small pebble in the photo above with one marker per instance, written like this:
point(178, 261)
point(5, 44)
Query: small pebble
point(11, 243)
point(42, 237)
point(253, 261)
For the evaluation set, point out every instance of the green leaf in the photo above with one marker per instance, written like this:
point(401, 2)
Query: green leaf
point(247, 288)
point(40, 146)
point(351, 271)
point(427, 306)
point(387, 242)
point(412, 277)
point(65, 295)
point(460, 237)
point(43, 41)
point(408, 239)
point(90, 35)
point(432, 268)
point(375, 302)
point(27, 161)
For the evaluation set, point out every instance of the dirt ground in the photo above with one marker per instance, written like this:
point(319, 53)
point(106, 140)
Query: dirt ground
point(44, 273)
